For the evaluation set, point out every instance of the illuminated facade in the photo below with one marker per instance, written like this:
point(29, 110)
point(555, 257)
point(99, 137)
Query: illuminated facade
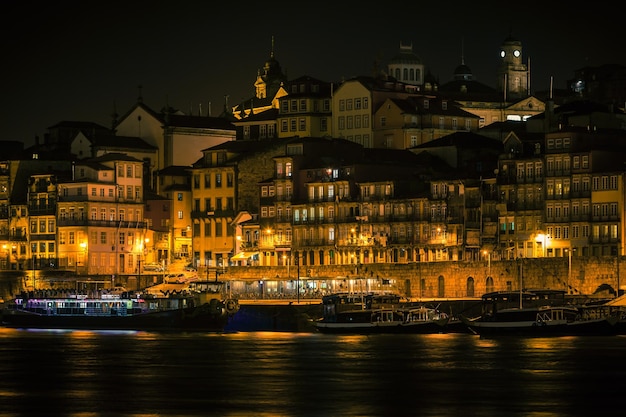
point(101, 228)
point(405, 123)
point(307, 110)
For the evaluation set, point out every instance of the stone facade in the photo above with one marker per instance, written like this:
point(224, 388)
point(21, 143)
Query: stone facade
point(448, 279)
point(593, 276)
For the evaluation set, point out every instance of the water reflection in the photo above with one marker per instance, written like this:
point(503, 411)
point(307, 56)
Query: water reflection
point(290, 374)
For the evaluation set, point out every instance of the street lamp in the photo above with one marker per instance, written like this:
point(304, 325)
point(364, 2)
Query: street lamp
point(543, 239)
point(298, 277)
point(83, 247)
point(488, 255)
point(142, 251)
point(269, 243)
point(145, 249)
point(286, 262)
point(569, 269)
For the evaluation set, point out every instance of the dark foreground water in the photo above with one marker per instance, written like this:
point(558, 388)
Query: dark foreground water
point(82, 373)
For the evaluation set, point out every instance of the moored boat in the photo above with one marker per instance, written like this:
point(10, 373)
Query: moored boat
point(538, 313)
point(616, 307)
point(198, 306)
point(378, 314)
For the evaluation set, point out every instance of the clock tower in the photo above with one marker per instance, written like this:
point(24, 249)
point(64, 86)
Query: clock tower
point(513, 73)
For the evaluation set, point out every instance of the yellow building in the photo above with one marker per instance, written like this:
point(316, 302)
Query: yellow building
point(101, 228)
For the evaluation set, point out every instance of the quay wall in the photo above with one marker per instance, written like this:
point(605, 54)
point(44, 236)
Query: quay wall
point(455, 279)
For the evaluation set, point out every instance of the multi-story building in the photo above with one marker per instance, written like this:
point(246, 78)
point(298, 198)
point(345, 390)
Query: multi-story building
point(173, 235)
point(42, 219)
point(101, 227)
point(584, 192)
point(158, 217)
point(354, 103)
point(303, 197)
point(405, 123)
point(5, 202)
point(24, 186)
point(307, 109)
point(341, 204)
point(178, 138)
point(520, 180)
point(224, 183)
point(605, 84)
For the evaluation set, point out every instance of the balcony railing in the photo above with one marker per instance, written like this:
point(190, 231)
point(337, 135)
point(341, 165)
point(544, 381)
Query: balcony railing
point(103, 223)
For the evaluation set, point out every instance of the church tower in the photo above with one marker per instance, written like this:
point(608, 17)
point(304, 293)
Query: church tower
point(269, 78)
point(513, 73)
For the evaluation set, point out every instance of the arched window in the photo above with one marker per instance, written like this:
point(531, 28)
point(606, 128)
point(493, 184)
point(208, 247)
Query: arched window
point(489, 285)
point(470, 287)
point(441, 287)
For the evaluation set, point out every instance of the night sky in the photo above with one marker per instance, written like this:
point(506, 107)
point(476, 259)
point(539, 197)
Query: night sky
point(75, 61)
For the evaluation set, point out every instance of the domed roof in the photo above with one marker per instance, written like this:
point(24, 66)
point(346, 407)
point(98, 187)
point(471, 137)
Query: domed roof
point(405, 55)
point(510, 40)
point(271, 68)
point(463, 72)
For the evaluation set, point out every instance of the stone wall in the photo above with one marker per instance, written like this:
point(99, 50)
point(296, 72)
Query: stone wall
point(588, 275)
point(427, 280)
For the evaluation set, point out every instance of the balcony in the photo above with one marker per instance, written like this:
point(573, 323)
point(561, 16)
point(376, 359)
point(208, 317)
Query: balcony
point(102, 223)
point(212, 213)
point(17, 235)
point(37, 210)
point(42, 237)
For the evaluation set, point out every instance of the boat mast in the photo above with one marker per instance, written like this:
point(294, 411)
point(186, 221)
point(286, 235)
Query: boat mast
point(520, 284)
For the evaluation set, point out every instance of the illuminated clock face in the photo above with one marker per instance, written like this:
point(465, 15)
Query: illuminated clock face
point(502, 54)
point(516, 53)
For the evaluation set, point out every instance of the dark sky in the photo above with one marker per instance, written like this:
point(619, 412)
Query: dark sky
point(75, 61)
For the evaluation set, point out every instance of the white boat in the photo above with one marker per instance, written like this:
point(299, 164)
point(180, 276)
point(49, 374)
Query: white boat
point(199, 306)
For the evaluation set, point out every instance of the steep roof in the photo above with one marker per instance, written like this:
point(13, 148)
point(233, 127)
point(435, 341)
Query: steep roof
point(199, 122)
point(462, 140)
point(119, 142)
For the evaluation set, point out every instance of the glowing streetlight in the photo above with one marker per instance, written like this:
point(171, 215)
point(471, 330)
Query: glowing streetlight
point(488, 256)
point(83, 250)
point(569, 269)
point(543, 240)
point(286, 262)
point(570, 253)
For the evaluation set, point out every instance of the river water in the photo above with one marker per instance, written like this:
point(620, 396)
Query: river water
point(86, 373)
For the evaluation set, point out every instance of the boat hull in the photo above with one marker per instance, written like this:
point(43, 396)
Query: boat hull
point(394, 321)
point(380, 328)
point(599, 327)
point(200, 318)
point(197, 306)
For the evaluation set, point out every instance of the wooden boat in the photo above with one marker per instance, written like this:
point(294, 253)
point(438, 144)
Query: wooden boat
point(378, 315)
point(198, 306)
point(537, 313)
point(357, 301)
point(616, 307)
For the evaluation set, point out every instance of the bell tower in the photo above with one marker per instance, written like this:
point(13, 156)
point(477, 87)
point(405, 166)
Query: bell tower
point(513, 73)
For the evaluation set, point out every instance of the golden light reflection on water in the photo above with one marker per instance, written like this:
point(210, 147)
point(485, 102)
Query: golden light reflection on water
point(284, 373)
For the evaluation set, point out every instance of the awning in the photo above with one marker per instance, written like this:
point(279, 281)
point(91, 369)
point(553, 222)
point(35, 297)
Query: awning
point(243, 256)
